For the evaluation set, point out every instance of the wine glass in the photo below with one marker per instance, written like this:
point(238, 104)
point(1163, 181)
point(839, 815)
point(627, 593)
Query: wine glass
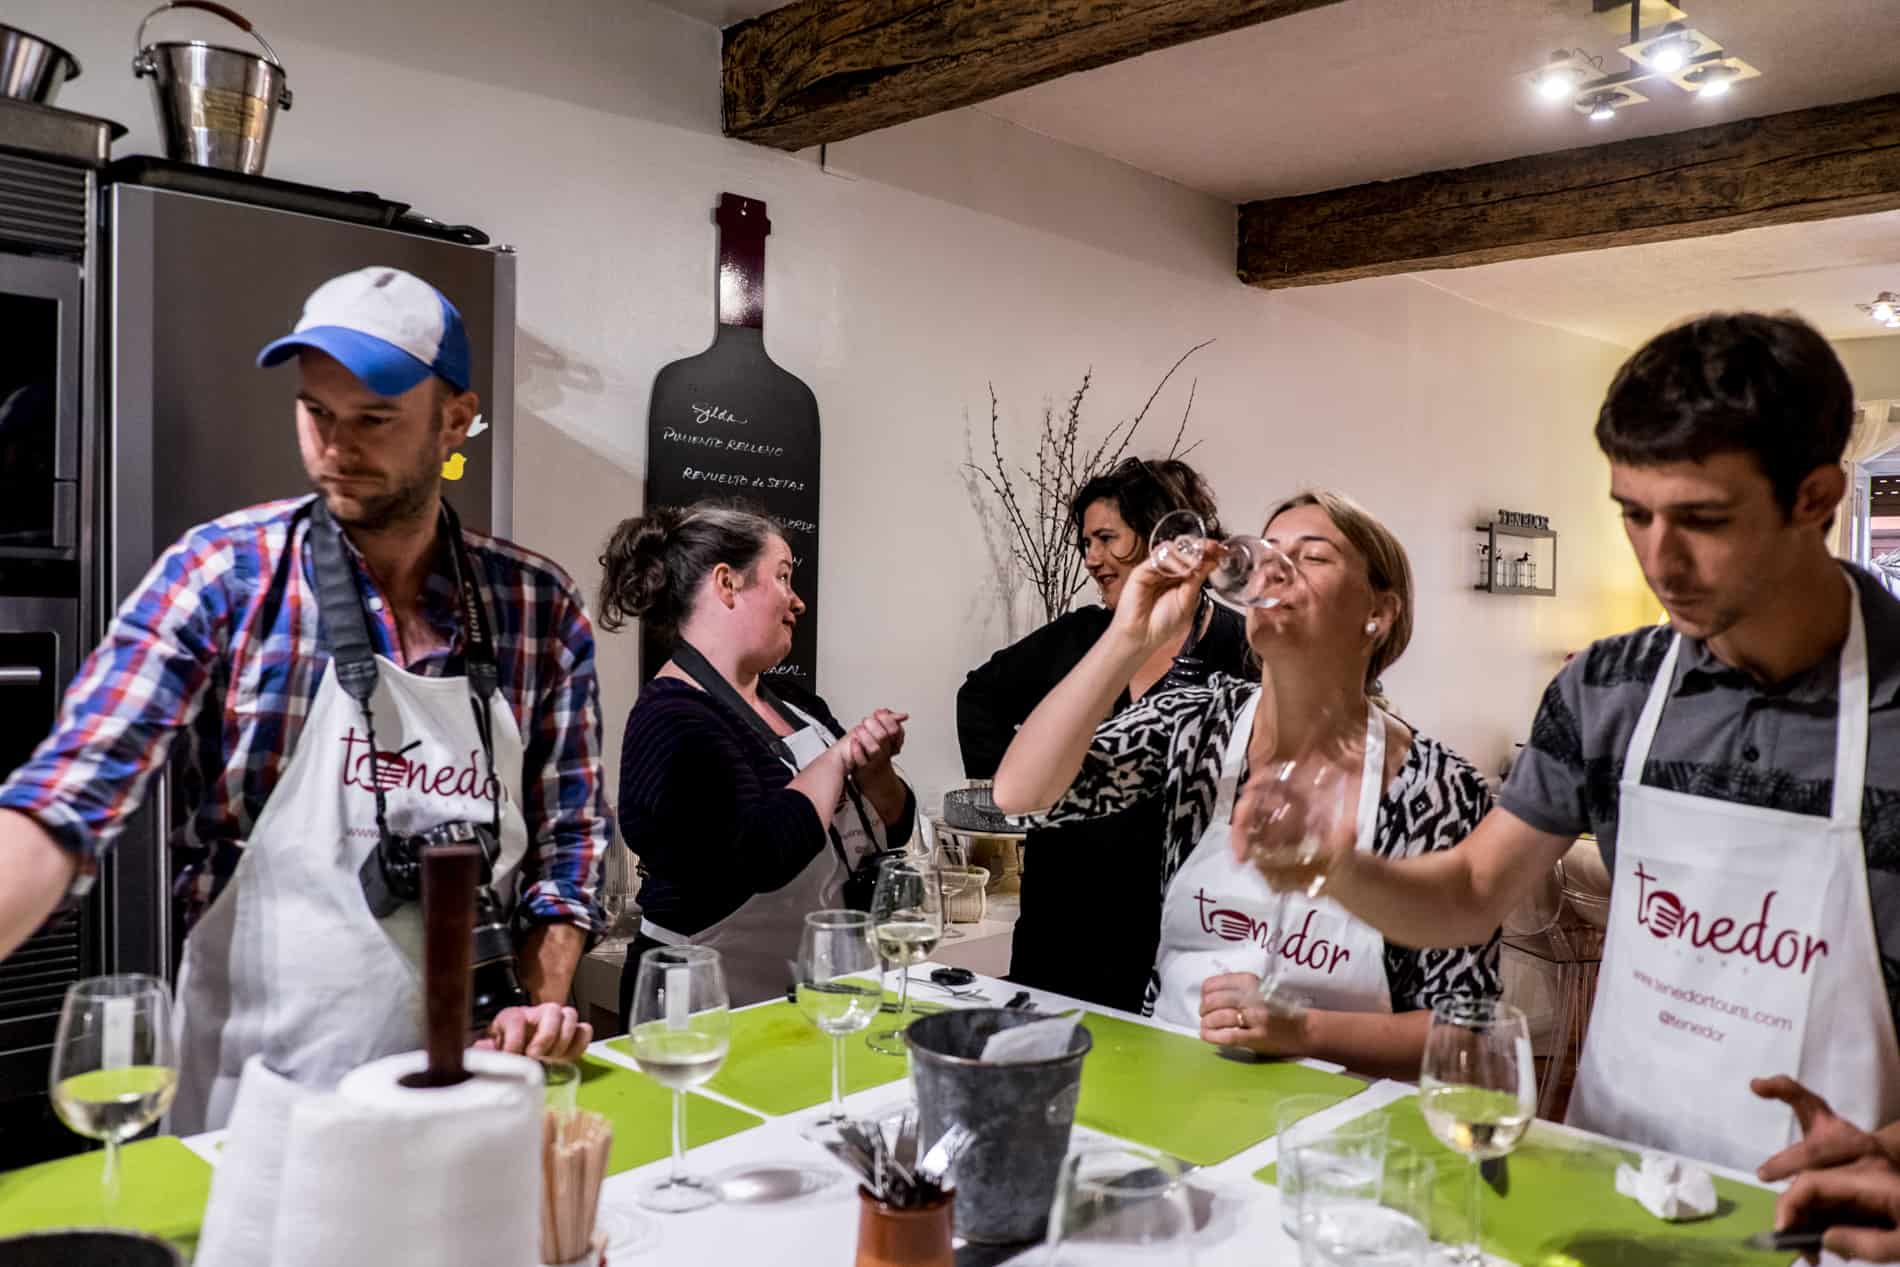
point(838, 987)
point(1477, 1088)
point(1119, 1203)
point(906, 924)
point(114, 1073)
point(616, 897)
point(681, 1030)
point(1249, 573)
point(1301, 805)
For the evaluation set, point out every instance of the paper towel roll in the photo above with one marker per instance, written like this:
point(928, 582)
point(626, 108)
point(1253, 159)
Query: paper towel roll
point(415, 1177)
point(241, 1216)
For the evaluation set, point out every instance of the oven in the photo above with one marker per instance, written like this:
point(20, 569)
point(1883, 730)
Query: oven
point(41, 375)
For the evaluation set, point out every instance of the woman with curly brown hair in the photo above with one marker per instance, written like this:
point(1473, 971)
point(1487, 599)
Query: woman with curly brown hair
point(748, 806)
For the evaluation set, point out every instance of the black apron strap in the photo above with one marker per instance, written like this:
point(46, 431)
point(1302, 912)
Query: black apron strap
point(714, 683)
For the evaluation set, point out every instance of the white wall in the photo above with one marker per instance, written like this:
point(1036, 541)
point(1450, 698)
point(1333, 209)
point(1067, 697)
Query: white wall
point(957, 252)
point(1874, 365)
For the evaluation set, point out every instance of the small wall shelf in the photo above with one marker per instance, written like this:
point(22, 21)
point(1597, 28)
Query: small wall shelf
point(1546, 567)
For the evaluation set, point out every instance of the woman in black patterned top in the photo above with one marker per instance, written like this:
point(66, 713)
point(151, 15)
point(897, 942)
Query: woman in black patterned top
point(1315, 717)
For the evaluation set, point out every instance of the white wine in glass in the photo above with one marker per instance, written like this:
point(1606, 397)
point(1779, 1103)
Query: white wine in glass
point(838, 987)
point(1477, 1088)
point(113, 1071)
point(906, 925)
point(682, 1028)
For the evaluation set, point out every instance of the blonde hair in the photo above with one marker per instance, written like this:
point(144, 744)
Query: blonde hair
point(1387, 568)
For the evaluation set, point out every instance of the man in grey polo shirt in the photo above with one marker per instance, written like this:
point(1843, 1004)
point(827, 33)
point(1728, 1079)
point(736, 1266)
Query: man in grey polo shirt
point(1741, 768)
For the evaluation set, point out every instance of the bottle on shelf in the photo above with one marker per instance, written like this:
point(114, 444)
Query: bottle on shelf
point(1527, 575)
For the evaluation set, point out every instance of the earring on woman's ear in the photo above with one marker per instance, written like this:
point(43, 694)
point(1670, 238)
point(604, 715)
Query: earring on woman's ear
point(1372, 626)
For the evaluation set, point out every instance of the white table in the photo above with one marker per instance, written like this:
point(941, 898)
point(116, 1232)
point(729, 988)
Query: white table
point(819, 1228)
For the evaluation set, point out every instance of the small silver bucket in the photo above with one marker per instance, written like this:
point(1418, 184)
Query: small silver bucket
point(215, 105)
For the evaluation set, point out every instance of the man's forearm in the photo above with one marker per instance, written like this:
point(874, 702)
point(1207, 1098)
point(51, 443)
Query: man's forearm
point(1451, 897)
point(35, 873)
point(548, 957)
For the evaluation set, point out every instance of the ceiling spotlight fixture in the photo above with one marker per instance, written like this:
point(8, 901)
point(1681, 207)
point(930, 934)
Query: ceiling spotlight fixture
point(1678, 46)
point(1559, 77)
point(1885, 309)
point(1601, 105)
point(1715, 81)
point(1675, 51)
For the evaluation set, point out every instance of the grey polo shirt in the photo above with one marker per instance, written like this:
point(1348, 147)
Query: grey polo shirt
point(1724, 737)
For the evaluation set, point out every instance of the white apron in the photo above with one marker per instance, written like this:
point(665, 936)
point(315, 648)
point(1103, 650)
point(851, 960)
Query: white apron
point(1220, 916)
point(288, 961)
point(758, 943)
point(1740, 944)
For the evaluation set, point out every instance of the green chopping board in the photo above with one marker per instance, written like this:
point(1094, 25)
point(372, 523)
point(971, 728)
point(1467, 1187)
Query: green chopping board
point(641, 1111)
point(163, 1187)
point(1178, 1094)
point(779, 1063)
point(1562, 1208)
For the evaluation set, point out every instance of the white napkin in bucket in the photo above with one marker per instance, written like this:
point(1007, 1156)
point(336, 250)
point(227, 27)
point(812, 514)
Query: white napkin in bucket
point(1037, 1040)
point(241, 1216)
point(1668, 1187)
point(422, 1177)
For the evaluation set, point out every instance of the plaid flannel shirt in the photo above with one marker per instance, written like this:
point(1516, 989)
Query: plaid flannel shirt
point(220, 643)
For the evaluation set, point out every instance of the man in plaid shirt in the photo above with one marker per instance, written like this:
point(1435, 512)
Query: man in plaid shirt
point(221, 646)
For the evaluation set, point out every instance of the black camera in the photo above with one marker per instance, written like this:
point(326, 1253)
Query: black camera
point(392, 876)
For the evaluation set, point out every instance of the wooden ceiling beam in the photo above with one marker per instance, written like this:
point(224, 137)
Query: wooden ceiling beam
point(1813, 164)
point(822, 70)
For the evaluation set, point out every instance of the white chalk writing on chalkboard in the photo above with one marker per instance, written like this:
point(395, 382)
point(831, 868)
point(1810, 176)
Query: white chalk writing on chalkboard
point(703, 414)
point(715, 477)
point(785, 669)
point(798, 525)
point(722, 442)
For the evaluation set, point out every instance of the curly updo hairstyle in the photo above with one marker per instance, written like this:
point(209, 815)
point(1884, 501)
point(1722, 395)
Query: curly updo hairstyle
point(1143, 491)
point(653, 563)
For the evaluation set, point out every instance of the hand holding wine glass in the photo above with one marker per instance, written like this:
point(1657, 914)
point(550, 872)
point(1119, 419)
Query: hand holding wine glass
point(838, 986)
point(113, 1071)
point(1240, 572)
point(1477, 1087)
point(906, 925)
point(681, 1030)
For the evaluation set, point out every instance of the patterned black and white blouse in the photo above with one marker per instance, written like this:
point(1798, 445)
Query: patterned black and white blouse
point(1172, 745)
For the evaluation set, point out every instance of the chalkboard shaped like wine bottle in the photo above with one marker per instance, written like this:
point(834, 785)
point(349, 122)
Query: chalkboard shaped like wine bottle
point(731, 424)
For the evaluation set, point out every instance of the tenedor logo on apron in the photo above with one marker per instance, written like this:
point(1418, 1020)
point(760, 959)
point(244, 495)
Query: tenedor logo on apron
point(399, 772)
point(1302, 947)
point(1667, 917)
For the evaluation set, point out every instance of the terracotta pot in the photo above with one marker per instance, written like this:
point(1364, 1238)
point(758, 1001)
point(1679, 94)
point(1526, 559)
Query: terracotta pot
point(890, 1237)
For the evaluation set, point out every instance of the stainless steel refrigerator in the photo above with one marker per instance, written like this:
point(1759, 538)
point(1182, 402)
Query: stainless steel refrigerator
point(194, 429)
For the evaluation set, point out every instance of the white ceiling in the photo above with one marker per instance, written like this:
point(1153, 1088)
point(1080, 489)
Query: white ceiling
point(723, 13)
point(1375, 89)
point(1623, 295)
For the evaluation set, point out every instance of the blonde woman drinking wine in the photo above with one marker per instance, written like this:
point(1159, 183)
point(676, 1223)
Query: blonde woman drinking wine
point(1344, 617)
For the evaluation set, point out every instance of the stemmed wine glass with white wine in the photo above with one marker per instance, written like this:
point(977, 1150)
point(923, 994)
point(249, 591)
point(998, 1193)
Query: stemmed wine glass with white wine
point(1477, 1088)
point(113, 1071)
point(1249, 571)
point(906, 925)
point(838, 987)
point(682, 1028)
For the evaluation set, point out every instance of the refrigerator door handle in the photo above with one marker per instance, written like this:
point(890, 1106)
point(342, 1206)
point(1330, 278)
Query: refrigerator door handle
point(21, 675)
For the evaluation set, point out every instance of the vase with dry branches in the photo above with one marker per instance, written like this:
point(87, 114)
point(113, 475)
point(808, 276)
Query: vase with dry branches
point(1033, 505)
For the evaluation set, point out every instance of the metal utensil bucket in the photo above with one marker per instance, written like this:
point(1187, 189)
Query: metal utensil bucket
point(32, 69)
point(215, 104)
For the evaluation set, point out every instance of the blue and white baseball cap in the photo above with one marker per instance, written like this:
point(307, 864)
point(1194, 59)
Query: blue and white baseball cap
point(389, 328)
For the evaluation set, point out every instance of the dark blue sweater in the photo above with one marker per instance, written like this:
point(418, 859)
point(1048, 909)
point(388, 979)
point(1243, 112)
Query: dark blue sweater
point(705, 806)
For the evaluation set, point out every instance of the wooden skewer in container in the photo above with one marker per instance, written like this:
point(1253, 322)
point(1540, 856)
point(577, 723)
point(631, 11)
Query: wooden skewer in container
point(574, 1148)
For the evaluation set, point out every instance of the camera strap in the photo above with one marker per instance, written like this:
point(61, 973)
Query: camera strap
point(713, 682)
point(353, 655)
